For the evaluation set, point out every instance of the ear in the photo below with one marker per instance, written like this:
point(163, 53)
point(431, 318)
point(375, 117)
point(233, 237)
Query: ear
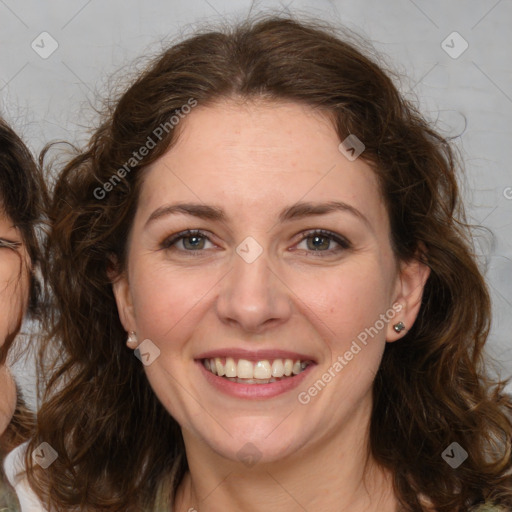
point(122, 294)
point(411, 280)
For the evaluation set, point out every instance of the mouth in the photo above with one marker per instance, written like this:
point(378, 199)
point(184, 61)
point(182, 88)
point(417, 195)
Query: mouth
point(264, 371)
point(260, 374)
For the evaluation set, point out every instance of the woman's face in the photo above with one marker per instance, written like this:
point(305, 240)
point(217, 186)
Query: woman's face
point(250, 290)
point(14, 291)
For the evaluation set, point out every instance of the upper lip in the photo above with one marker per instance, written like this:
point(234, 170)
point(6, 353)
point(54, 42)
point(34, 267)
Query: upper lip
point(254, 355)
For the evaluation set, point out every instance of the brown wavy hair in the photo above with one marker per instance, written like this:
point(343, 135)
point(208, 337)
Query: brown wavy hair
point(100, 413)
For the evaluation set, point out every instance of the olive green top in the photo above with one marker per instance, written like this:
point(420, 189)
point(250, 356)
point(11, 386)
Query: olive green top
point(8, 503)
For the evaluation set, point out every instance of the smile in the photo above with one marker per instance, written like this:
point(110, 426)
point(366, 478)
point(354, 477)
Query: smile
point(264, 371)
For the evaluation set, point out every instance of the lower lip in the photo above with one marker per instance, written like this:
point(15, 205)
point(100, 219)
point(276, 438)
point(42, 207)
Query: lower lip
point(254, 391)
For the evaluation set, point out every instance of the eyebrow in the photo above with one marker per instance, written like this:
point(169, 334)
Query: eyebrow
point(293, 212)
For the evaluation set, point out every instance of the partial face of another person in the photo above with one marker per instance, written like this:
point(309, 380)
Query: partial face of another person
point(14, 292)
point(276, 291)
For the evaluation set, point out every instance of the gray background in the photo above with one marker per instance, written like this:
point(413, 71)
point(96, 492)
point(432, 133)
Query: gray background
point(470, 96)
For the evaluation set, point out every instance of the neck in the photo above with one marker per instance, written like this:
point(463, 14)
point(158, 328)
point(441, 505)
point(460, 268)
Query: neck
point(335, 473)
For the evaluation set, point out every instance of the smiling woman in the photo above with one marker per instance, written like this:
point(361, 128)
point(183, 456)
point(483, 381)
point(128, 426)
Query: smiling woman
point(22, 195)
point(298, 234)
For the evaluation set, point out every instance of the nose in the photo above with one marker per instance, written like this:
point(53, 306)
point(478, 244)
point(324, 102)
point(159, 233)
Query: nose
point(253, 296)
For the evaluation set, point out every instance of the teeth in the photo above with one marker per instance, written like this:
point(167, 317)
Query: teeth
point(260, 372)
point(220, 367)
point(230, 367)
point(277, 368)
point(245, 369)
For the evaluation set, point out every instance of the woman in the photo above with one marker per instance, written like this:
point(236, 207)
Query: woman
point(22, 195)
point(267, 295)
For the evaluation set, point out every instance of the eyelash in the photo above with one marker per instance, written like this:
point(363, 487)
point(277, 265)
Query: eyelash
point(342, 242)
point(7, 244)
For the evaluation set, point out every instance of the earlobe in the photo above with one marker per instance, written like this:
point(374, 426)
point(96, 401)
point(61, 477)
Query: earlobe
point(122, 294)
point(410, 285)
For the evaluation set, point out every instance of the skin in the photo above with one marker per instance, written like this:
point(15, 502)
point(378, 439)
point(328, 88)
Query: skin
point(14, 292)
point(253, 160)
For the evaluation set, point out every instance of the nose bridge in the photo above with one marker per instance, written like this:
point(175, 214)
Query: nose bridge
point(251, 295)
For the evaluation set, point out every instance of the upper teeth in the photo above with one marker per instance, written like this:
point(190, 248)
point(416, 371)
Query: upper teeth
point(244, 369)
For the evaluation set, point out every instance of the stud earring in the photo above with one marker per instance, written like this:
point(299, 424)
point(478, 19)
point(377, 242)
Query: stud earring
point(399, 327)
point(132, 337)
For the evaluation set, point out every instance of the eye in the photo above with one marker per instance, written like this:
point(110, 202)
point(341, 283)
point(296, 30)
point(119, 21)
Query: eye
point(318, 241)
point(192, 241)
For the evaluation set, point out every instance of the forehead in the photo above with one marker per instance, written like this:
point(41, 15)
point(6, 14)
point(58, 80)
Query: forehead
point(259, 154)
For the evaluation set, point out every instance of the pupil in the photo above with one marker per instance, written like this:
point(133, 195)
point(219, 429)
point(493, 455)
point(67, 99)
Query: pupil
point(316, 239)
point(194, 241)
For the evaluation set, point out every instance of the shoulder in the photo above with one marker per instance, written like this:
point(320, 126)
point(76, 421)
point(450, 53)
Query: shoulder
point(14, 467)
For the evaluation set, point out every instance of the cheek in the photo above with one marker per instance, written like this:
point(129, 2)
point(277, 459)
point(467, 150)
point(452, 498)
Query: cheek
point(13, 300)
point(347, 317)
point(341, 300)
point(8, 398)
point(347, 300)
point(165, 299)
point(345, 308)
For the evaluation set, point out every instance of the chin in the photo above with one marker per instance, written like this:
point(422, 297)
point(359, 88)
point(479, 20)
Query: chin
point(254, 440)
